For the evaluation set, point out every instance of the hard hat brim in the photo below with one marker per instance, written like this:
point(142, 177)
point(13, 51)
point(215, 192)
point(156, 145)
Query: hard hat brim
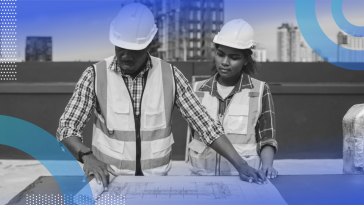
point(248, 45)
point(130, 45)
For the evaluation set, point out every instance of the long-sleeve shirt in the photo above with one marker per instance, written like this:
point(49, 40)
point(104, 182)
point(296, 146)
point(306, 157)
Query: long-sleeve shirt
point(265, 127)
point(84, 101)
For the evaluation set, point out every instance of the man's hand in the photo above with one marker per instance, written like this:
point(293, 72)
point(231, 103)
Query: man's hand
point(98, 168)
point(250, 174)
point(270, 172)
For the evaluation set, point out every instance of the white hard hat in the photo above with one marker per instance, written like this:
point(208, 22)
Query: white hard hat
point(133, 28)
point(237, 34)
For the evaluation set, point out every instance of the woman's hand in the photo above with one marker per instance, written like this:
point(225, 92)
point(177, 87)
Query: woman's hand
point(269, 171)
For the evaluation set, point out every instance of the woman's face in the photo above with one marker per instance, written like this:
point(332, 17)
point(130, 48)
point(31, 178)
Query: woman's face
point(229, 61)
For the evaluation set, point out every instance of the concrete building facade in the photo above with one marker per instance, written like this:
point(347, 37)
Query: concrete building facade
point(288, 43)
point(260, 54)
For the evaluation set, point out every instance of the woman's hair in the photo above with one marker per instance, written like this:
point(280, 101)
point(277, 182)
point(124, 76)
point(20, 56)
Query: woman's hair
point(251, 68)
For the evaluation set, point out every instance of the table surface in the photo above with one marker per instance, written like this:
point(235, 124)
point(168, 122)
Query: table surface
point(295, 189)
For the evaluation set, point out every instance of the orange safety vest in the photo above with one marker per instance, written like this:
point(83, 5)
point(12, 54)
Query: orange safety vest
point(239, 123)
point(114, 131)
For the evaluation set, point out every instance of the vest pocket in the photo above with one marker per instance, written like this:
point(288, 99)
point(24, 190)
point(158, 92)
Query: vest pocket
point(197, 146)
point(162, 147)
point(111, 147)
point(237, 119)
point(249, 153)
point(197, 157)
point(121, 110)
point(154, 120)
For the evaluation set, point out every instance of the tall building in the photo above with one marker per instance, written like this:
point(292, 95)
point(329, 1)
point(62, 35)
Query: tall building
point(288, 43)
point(260, 54)
point(303, 53)
point(353, 43)
point(186, 28)
point(38, 49)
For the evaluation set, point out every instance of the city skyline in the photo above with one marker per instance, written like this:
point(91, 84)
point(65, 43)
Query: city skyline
point(84, 35)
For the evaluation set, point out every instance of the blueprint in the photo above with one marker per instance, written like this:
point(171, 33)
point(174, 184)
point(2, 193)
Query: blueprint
point(171, 190)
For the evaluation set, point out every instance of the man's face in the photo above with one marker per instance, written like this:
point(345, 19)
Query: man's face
point(130, 60)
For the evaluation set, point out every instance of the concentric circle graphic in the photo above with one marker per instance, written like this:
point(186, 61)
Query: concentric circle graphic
point(317, 39)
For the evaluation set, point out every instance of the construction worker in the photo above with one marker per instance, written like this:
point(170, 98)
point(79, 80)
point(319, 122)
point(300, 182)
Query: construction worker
point(133, 95)
point(242, 104)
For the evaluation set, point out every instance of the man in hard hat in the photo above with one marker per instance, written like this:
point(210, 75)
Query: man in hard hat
point(133, 95)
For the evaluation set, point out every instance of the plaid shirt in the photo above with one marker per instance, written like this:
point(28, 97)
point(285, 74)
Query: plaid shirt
point(136, 85)
point(83, 102)
point(265, 127)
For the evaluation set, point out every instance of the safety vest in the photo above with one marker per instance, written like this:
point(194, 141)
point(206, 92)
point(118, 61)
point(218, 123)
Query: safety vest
point(239, 123)
point(115, 128)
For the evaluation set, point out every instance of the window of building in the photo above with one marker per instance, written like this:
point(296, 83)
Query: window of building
point(191, 44)
point(198, 15)
point(198, 26)
point(191, 26)
point(198, 34)
point(191, 53)
point(214, 15)
point(214, 27)
point(191, 35)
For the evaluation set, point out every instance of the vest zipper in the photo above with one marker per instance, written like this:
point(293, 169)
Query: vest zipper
point(138, 168)
point(218, 156)
point(138, 171)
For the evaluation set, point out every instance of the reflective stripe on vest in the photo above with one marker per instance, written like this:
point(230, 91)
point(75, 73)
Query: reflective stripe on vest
point(239, 123)
point(114, 132)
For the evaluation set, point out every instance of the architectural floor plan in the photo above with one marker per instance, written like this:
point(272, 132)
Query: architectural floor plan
point(188, 190)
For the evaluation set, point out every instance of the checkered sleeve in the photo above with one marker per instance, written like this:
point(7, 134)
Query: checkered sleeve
point(266, 125)
point(79, 108)
point(192, 110)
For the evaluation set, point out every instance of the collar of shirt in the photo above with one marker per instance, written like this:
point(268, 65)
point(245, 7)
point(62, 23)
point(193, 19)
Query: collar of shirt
point(210, 85)
point(114, 66)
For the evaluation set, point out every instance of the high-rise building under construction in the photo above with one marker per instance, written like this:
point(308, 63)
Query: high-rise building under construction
point(186, 28)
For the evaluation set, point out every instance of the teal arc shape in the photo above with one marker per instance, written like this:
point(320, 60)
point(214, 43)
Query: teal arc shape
point(342, 22)
point(45, 148)
point(317, 39)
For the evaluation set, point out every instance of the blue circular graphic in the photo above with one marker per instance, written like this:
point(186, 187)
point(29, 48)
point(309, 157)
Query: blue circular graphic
point(45, 148)
point(345, 25)
point(317, 39)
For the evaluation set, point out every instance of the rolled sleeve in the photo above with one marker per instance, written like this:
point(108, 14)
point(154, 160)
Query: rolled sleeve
point(195, 114)
point(266, 126)
point(79, 109)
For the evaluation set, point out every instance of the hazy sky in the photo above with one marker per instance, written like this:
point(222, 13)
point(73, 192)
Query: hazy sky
point(79, 29)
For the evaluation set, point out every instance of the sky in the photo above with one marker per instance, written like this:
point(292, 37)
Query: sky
point(79, 28)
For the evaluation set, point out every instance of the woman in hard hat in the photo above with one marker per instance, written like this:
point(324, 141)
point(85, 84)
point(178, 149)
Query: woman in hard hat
point(242, 104)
